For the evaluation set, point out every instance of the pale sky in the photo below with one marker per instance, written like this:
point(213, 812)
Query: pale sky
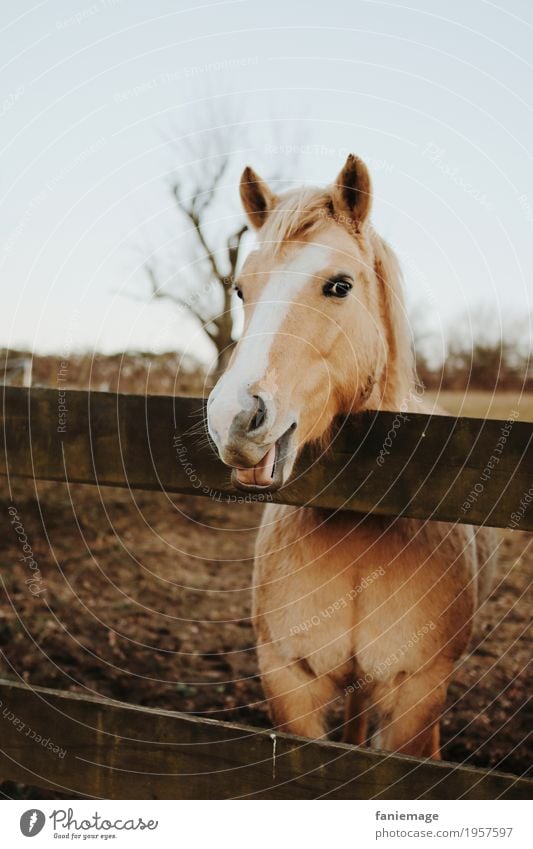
point(436, 96)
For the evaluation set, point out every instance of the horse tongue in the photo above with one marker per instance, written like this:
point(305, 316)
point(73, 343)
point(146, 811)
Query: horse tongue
point(262, 474)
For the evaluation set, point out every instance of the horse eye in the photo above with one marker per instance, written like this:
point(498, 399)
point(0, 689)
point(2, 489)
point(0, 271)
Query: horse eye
point(337, 287)
point(238, 292)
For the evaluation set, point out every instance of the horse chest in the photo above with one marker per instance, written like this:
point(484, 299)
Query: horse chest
point(344, 623)
point(348, 605)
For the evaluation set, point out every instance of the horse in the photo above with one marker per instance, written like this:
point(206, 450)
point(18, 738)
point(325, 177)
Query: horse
point(374, 609)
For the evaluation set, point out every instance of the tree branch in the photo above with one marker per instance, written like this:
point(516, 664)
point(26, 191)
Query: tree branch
point(234, 246)
point(202, 199)
point(195, 220)
point(158, 293)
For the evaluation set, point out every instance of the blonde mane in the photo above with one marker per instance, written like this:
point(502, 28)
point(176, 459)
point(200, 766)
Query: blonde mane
point(400, 381)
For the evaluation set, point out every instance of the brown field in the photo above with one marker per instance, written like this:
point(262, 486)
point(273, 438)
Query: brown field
point(481, 404)
point(146, 598)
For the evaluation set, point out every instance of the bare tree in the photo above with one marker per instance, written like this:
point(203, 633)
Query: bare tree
point(206, 168)
point(208, 296)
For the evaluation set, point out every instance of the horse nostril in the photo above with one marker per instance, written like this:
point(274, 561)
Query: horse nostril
point(260, 414)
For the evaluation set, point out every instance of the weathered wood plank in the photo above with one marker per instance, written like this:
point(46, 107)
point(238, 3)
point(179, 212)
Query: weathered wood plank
point(111, 750)
point(438, 467)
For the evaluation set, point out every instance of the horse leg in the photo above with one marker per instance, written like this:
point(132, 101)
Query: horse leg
point(355, 718)
point(409, 716)
point(297, 698)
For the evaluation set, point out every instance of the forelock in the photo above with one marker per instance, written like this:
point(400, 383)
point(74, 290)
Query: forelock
point(297, 213)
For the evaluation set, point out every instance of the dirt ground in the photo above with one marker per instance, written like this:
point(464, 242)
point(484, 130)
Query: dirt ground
point(146, 598)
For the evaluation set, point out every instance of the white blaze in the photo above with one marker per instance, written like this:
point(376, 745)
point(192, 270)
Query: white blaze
point(250, 365)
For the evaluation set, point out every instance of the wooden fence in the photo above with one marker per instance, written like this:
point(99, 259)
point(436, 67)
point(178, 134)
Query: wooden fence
point(434, 467)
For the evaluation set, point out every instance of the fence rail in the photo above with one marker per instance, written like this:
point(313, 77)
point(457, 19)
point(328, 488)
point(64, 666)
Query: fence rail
point(434, 467)
point(437, 467)
point(118, 751)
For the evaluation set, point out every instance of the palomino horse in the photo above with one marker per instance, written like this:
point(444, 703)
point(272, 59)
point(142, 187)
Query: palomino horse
point(380, 609)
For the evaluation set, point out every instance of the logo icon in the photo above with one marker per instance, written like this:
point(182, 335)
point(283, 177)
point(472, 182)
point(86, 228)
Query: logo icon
point(32, 822)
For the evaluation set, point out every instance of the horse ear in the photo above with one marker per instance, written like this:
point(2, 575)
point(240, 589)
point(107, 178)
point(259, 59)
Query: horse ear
point(256, 197)
point(352, 192)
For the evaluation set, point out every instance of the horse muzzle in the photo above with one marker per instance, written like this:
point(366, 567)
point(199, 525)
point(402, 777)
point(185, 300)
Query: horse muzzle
point(271, 472)
point(246, 441)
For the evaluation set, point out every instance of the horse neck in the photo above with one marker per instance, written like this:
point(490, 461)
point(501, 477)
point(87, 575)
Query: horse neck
point(397, 383)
